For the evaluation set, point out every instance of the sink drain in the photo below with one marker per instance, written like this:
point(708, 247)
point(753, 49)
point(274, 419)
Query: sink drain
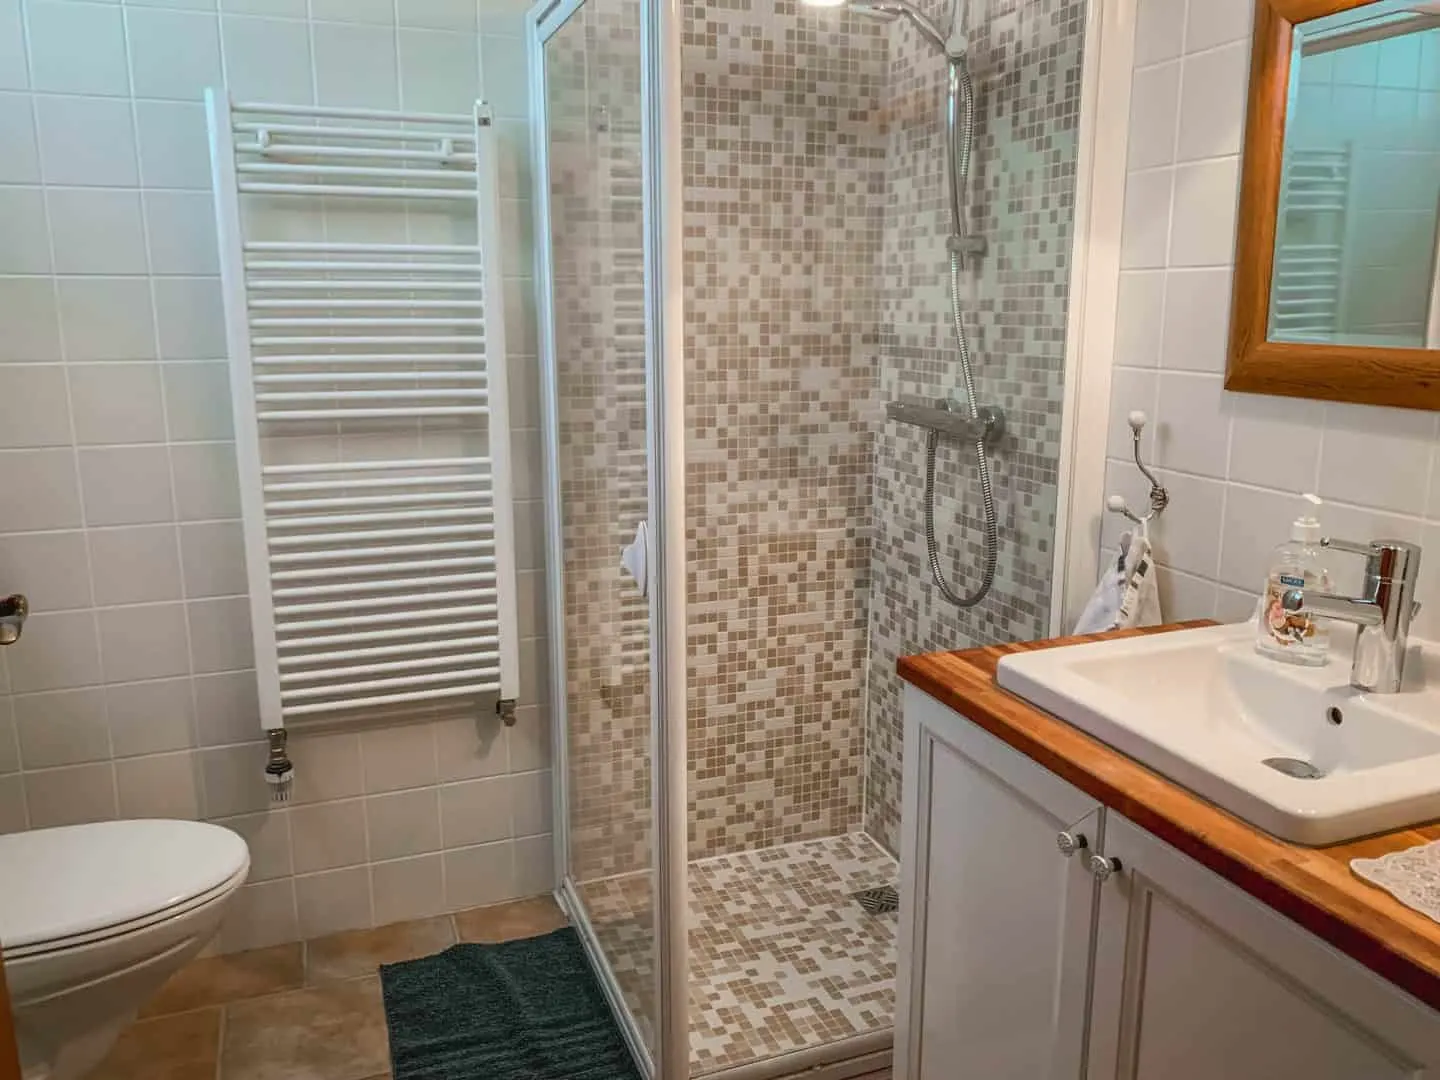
point(1301, 770)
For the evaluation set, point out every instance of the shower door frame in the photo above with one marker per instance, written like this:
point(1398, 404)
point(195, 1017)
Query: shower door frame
point(660, 22)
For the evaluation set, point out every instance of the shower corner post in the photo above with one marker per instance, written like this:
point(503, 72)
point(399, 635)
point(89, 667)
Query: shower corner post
point(661, 94)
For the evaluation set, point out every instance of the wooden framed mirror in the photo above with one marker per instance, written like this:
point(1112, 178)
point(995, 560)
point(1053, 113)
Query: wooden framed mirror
point(1337, 280)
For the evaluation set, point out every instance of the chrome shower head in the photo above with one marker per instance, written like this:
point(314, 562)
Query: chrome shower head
point(894, 9)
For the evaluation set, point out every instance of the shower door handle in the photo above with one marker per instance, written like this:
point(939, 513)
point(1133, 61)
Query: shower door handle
point(635, 558)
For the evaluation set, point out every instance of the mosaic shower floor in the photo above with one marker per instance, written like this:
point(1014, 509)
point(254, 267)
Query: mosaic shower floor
point(782, 956)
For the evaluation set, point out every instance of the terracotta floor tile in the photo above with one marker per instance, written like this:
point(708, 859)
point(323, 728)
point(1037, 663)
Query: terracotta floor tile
point(360, 952)
point(183, 1047)
point(506, 922)
point(330, 1032)
point(218, 980)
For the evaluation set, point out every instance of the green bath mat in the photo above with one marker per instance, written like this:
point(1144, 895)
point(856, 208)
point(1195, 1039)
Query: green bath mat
point(521, 1010)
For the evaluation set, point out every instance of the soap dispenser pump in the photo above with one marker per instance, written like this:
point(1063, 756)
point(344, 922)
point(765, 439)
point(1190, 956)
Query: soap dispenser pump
point(1295, 637)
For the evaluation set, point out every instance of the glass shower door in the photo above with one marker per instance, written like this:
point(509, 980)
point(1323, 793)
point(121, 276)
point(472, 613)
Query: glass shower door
point(588, 85)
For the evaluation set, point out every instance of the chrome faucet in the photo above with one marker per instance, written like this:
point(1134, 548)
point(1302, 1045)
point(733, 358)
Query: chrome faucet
point(13, 611)
point(1382, 612)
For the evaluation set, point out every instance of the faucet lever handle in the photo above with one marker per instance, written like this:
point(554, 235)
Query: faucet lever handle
point(1352, 547)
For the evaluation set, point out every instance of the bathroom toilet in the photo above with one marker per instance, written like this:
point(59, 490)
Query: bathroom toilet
point(94, 919)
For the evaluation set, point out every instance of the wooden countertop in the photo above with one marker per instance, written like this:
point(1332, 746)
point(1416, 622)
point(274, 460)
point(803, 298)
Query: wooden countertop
point(1312, 886)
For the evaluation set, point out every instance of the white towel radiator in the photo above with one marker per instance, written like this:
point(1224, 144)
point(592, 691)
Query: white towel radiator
point(361, 271)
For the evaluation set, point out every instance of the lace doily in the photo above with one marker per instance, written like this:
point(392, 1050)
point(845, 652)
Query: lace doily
point(1411, 876)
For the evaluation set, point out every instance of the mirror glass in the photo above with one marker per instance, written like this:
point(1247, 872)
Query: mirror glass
point(1356, 238)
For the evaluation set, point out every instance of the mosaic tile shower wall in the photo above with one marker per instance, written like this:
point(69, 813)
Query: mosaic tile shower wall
point(597, 239)
point(1025, 58)
point(784, 168)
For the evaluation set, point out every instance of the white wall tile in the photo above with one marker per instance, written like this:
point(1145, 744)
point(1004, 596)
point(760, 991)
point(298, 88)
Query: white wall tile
point(38, 490)
point(197, 402)
point(65, 727)
point(267, 60)
point(1256, 521)
point(1183, 596)
point(206, 482)
point(227, 708)
point(407, 889)
point(107, 318)
point(12, 805)
point(146, 641)
point(34, 406)
point(51, 568)
point(1275, 441)
point(158, 786)
point(135, 565)
point(328, 835)
point(117, 403)
point(439, 71)
point(191, 318)
point(505, 76)
point(468, 747)
point(475, 811)
point(403, 823)
point(234, 780)
point(20, 164)
point(355, 66)
point(1188, 536)
point(291, 9)
point(71, 796)
point(378, 12)
point(1196, 326)
point(529, 739)
point(126, 485)
point(214, 559)
point(87, 141)
point(173, 144)
point(24, 236)
point(530, 803)
point(220, 635)
point(479, 876)
point(32, 328)
point(333, 901)
point(173, 54)
point(259, 916)
point(268, 837)
point(1154, 105)
point(77, 48)
point(399, 757)
point(96, 231)
point(326, 767)
point(437, 14)
point(14, 68)
point(151, 717)
point(534, 865)
point(1203, 230)
point(9, 742)
point(1159, 30)
point(1214, 22)
point(180, 226)
point(1376, 457)
point(1212, 106)
point(1145, 241)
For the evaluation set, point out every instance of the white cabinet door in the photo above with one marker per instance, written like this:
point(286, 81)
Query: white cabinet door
point(1195, 979)
point(996, 923)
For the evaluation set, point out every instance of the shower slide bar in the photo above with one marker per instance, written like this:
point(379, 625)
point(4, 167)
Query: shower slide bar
point(988, 426)
point(383, 573)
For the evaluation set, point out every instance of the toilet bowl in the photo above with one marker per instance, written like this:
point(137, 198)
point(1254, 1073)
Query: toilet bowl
point(94, 919)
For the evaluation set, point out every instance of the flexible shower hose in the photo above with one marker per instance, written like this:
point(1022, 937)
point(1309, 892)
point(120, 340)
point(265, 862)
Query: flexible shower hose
point(961, 171)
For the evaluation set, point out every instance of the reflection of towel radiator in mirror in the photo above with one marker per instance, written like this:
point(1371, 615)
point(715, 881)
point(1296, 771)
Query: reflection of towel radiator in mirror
point(361, 269)
point(1310, 243)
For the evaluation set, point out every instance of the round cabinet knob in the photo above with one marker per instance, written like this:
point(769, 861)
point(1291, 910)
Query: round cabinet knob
point(1069, 843)
point(1103, 868)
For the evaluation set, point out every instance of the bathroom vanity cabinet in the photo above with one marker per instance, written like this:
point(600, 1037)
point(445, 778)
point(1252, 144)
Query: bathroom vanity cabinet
point(1122, 958)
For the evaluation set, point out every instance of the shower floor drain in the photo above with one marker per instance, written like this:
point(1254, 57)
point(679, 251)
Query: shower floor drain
point(879, 901)
point(1301, 770)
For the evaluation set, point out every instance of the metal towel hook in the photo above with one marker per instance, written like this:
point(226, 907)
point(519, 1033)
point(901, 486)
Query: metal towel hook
point(1159, 497)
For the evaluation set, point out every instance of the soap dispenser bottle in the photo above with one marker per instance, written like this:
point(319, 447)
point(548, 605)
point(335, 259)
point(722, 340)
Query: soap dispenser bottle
point(1291, 637)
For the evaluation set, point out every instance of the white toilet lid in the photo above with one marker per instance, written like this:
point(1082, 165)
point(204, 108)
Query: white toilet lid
point(78, 879)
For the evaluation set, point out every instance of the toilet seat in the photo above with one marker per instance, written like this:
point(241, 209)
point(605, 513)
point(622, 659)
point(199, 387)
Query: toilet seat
point(82, 884)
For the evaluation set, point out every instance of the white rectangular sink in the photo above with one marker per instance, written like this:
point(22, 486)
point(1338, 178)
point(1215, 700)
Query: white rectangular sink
point(1204, 709)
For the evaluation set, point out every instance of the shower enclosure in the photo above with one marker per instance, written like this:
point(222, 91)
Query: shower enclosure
point(744, 231)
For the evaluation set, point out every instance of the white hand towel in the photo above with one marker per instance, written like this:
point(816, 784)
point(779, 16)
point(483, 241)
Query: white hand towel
point(1127, 594)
